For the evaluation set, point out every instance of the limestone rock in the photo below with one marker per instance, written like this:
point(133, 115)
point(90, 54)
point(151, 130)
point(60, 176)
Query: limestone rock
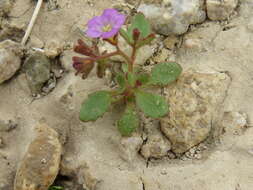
point(220, 10)
point(156, 147)
point(37, 69)
point(9, 61)
point(40, 165)
point(173, 17)
point(195, 108)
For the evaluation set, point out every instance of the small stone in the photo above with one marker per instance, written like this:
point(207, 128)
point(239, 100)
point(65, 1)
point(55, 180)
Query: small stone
point(192, 44)
point(53, 49)
point(193, 111)
point(155, 147)
point(198, 156)
point(36, 42)
point(10, 62)
point(37, 69)
point(220, 10)
point(170, 42)
point(40, 165)
point(233, 123)
point(129, 147)
point(6, 126)
point(171, 155)
point(164, 172)
point(51, 84)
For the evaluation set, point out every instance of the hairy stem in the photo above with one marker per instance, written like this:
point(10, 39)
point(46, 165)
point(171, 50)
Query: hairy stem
point(133, 56)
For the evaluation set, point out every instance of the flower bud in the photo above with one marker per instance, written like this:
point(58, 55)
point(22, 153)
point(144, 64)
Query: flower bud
point(84, 49)
point(136, 34)
point(83, 65)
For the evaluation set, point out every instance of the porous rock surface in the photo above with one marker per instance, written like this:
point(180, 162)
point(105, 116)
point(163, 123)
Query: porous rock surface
point(40, 165)
point(195, 108)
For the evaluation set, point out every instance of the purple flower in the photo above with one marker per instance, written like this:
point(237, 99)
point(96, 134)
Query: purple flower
point(107, 25)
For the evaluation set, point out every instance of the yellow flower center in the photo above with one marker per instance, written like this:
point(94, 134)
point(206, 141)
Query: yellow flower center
point(107, 28)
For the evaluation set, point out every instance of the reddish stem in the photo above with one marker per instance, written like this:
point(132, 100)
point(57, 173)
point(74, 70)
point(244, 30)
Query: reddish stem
point(133, 56)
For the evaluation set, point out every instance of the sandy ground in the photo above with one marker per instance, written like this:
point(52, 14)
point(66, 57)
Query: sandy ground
point(222, 46)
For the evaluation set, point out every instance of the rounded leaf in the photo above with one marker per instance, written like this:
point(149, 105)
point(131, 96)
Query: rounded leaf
point(95, 106)
point(143, 78)
point(165, 73)
point(141, 23)
point(152, 105)
point(128, 122)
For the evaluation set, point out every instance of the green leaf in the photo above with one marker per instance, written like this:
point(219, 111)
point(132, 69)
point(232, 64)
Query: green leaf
point(131, 79)
point(121, 80)
point(128, 122)
point(126, 36)
point(165, 73)
point(140, 22)
point(143, 78)
point(95, 106)
point(55, 188)
point(151, 105)
point(124, 68)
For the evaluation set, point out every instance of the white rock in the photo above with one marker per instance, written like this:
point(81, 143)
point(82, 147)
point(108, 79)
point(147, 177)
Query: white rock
point(220, 10)
point(174, 18)
point(9, 64)
point(194, 109)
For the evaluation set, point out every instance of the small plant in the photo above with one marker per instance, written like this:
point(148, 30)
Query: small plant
point(131, 80)
point(53, 187)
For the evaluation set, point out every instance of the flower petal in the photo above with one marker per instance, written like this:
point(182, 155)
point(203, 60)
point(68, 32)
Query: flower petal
point(95, 22)
point(109, 34)
point(110, 13)
point(118, 20)
point(93, 33)
point(110, 17)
